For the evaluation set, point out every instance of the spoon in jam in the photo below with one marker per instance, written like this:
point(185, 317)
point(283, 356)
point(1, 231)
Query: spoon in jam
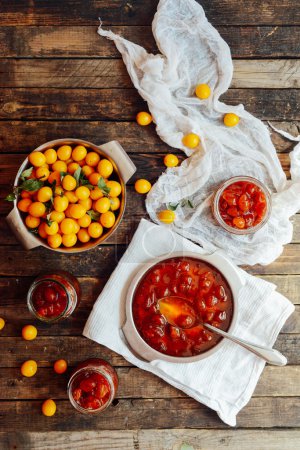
point(181, 314)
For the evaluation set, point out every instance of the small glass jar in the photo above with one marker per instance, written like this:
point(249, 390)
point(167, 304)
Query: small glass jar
point(53, 296)
point(247, 229)
point(93, 386)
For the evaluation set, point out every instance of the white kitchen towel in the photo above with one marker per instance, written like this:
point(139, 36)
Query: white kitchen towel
point(224, 381)
point(193, 52)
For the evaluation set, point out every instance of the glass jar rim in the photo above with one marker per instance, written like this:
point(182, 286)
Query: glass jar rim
point(31, 307)
point(71, 398)
point(220, 190)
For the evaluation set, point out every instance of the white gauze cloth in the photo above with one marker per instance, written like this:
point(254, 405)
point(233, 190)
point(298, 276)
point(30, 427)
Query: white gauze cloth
point(193, 52)
point(225, 380)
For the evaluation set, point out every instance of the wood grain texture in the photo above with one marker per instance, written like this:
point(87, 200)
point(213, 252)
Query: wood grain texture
point(134, 414)
point(168, 439)
point(139, 12)
point(111, 73)
point(134, 383)
point(27, 135)
point(47, 349)
point(123, 104)
point(100, 261)
point(83, 41)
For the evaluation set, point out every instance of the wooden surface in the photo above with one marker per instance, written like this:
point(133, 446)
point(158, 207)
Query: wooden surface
point(58, 79)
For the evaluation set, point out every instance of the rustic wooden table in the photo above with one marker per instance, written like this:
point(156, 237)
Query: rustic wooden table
point(58, 79)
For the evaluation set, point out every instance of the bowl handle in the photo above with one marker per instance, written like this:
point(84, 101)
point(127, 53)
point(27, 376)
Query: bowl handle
point(27, 240)
point(118, 154)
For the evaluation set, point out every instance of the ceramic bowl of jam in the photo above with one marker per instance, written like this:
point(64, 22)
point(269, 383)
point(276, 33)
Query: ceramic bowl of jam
point(210, 284)
point(242, 205)
point(93, 386)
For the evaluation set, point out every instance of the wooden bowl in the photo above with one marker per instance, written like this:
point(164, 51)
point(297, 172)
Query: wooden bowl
point(123, 167)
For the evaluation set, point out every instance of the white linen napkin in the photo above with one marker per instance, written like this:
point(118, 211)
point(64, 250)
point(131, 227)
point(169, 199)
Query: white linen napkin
point(193, 52)
point(224, 381)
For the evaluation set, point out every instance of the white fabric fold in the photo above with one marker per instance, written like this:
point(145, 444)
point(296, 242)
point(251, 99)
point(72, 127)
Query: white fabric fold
point(224, 381)
point(193, 52)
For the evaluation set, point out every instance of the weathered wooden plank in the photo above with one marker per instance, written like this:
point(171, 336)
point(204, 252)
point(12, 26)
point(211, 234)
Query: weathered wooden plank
point(123, 104)
point(169, 439)
point(101, 260)
point(13, 290)
point(28, 135)
point(135, 383)
point(286, 285)
point(83, 41)
point(111, 73)
point(149, 413)
point(139, 12)
point(287, 263)
point(47, 349)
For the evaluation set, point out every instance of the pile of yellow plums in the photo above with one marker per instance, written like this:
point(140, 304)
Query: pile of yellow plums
point(69, 194)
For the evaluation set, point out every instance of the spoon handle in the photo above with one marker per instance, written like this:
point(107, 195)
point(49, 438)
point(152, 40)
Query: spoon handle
point(270, 355)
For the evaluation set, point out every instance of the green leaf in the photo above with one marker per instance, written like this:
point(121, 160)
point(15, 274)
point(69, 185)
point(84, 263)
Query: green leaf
point(49, 204)
point(103, 186)
point(31, 185)
point(49, 222)
point(77, 175)
point(34, 230)
point(86, 183)
point(173, 206)
point(26, 173)
point(94, 215)
point(10, 197)
point(190, 204)
point(62, 175)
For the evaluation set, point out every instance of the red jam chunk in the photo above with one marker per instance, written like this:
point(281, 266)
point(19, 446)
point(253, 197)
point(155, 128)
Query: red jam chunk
point(49, 299)
point(242, 205)
point(198, 283)
point(91, 390)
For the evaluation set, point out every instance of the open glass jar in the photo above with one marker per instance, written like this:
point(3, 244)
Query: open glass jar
point(53, 296)
point(93, 386)
point(242, 205)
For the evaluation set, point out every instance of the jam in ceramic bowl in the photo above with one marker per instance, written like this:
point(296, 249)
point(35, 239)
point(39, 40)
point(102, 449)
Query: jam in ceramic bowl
point(197, 282)
point(242, 205)
point(92, 386)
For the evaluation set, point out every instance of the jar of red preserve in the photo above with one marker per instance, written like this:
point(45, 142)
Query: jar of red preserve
point(242, 205)
point(53, 297)
point(93, 386)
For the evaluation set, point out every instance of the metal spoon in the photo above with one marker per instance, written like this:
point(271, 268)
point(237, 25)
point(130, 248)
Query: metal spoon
point(180, 313)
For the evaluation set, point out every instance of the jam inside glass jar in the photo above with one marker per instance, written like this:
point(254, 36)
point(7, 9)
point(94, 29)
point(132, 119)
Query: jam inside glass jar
point(53, 297)
point(92, 386)
point(242, 205)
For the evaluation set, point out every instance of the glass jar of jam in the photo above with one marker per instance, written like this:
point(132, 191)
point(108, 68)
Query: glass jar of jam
point(53, 297)
point(242, 205)
point(93, 386)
